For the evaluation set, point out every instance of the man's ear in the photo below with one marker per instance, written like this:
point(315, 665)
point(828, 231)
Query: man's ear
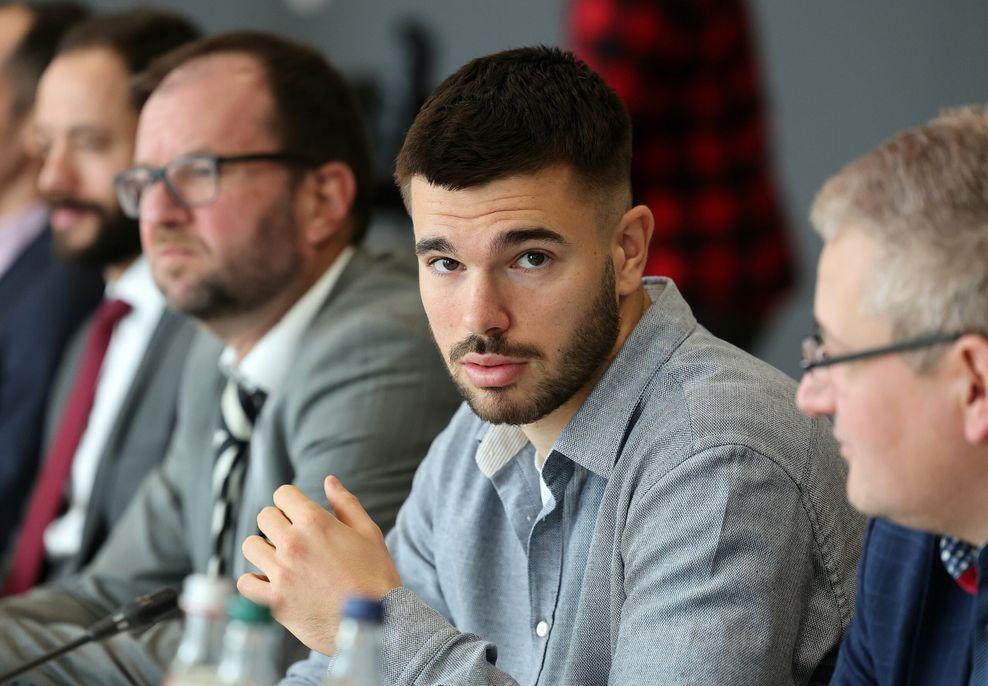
point(973, 352)
point(328, 198)
point(631, 239)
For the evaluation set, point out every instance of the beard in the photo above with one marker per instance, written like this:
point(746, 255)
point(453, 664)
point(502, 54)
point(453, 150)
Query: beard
point(118, 238)
point(247, 281)
point(589, 347)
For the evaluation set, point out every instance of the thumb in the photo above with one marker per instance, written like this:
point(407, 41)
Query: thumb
point(349, 510)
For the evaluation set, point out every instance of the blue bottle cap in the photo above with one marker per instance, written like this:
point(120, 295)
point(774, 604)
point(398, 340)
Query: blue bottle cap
point(363, 609)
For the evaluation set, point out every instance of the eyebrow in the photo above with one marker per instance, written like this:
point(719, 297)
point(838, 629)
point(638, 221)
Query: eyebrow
point(515, 237)
point(503, 241)
point(197, 152)
point(825, 335)
point(82, 130)
point(436, 244)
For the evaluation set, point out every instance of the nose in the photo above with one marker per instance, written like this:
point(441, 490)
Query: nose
point(159, 209)
point(486, 313)
point(58, 173)
point(814, 396)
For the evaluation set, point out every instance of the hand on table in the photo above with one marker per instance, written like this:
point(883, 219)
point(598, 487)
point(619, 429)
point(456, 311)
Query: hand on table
point(311, 561)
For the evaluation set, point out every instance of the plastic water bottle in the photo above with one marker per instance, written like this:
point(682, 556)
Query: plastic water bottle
point(357, 661)
point(248, 655)
point(204, 600)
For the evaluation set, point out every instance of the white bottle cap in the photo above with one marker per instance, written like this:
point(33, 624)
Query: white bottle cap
point(203, 594)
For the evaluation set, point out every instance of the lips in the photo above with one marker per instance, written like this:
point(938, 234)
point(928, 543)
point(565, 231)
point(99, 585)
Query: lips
point(492, 371)
point(172, 247)
point(172, 251)
point(64, 218)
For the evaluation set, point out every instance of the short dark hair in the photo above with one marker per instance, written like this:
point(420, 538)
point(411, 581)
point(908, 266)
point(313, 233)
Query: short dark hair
point(138, 36)
point(315, 111)
point(37, 47)
point(517, 112)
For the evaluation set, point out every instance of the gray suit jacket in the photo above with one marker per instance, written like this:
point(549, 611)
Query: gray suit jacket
point(140, 435)
point(365, 396)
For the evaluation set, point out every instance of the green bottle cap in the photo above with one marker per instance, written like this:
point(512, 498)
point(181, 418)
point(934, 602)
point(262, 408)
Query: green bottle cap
point(243, 610)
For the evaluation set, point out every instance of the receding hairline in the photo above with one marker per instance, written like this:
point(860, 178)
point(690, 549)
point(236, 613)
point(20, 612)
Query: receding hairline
point(249, 64)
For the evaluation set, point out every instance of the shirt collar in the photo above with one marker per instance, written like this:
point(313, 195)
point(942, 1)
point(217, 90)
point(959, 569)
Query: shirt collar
point(596, 434)
point(960, 560)
point(136, 287)
point(499, 443)
point(594, 437)
point(267, 364)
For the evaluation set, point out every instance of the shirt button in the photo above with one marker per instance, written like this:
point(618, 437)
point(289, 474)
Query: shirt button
point(542, 629)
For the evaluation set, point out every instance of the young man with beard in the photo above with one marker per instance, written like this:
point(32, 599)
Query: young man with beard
point(42, 301)
point(624, 498)
point(109, 421)
point(900, 362)
point(253, 187)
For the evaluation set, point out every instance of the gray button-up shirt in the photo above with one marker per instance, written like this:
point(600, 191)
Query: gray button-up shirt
point(697, 533)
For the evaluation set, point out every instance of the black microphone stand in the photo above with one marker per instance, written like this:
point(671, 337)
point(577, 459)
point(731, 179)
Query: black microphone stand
point(61, 650)
point(138, 614)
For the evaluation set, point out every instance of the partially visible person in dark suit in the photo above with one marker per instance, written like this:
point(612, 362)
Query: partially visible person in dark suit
point(900, 361)
point(113, 403)
point(42, 301)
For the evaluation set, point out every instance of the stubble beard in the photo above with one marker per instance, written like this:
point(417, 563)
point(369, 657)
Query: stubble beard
point(259, 277)
point(591, 345)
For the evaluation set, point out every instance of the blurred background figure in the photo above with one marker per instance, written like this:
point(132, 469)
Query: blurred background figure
point(113, 404)
point(41, 300)
point(686, 70)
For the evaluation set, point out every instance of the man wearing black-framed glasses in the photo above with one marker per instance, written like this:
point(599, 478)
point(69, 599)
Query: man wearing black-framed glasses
point(252, 186)
point(900, 361)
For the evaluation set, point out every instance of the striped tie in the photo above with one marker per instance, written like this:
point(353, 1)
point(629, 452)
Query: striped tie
point(238, 410)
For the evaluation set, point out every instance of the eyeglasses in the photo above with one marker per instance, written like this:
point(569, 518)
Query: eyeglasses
point(191, 180)
point(814, 355)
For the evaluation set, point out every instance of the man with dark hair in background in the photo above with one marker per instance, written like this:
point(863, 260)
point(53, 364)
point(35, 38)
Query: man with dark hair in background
point(252, 187)
point(110, 419)
point(42, 301)
point(624, 498)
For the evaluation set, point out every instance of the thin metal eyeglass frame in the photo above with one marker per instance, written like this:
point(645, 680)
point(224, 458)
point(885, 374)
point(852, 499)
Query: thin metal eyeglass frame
point(218, 161)
point(900, 347)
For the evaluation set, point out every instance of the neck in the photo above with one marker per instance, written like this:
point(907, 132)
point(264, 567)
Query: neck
point(244, 330)
point(544, 433)
point(968, 519)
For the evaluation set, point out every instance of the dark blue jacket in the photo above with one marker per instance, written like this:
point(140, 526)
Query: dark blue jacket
point(912, 624)
point(42, 302)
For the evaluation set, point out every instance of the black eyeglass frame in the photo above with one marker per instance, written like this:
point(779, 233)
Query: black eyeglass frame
point(899, 347)
point(160, 173)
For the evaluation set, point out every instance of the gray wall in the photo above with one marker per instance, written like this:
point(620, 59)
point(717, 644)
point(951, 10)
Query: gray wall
point(841, 76)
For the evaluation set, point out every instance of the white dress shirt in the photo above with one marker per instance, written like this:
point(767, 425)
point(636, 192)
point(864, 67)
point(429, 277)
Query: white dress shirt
point(267, 364)
point(128, 344)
